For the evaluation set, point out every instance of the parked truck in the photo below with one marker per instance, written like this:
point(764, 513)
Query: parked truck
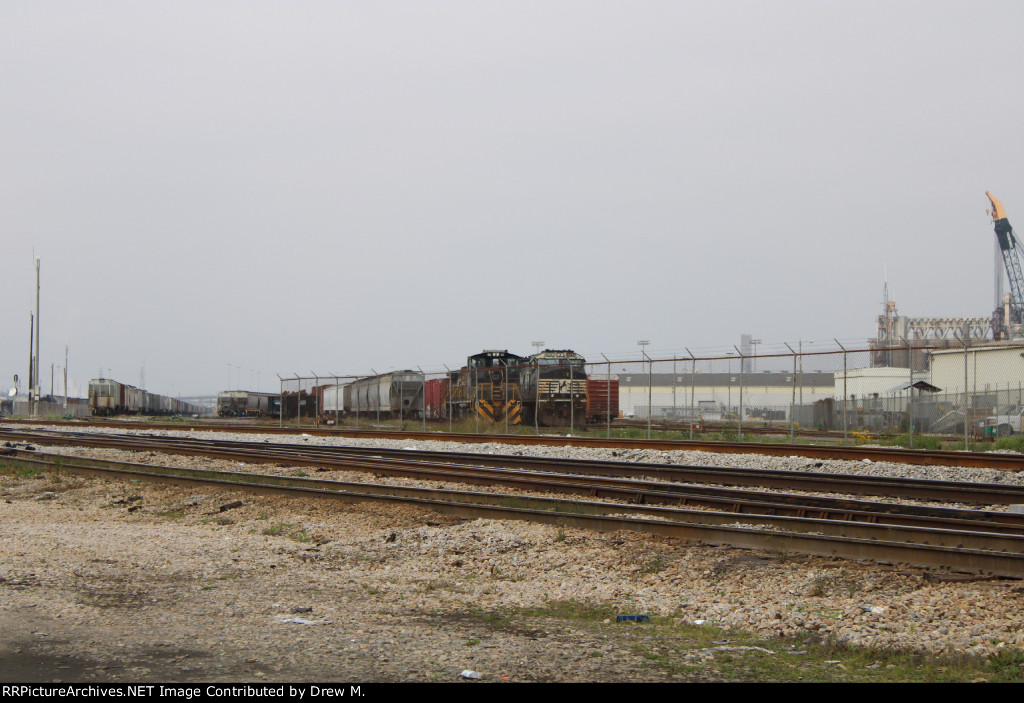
point(1007, 421)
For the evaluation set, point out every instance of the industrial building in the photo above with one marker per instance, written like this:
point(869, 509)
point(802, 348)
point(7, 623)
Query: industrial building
point(768, 395)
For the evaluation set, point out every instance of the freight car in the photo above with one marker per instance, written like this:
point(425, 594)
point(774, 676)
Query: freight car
point(553, 384)
point(108, 397)
point(397, 395)
point(602, 397)
point(435, 397)
point(247, 404)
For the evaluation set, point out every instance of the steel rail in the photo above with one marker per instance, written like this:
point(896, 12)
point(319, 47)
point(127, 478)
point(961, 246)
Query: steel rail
point(923, 457)
point(917, 489)
point(632, 490)
point(1001, 555)
point(895, 487)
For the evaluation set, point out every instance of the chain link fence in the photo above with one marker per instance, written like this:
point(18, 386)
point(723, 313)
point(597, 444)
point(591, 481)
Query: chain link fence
point(974, 391)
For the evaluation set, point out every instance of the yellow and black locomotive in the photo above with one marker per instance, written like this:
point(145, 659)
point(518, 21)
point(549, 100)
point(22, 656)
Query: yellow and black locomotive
point(548, 388)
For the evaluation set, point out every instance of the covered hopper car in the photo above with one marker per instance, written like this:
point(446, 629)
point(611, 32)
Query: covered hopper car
point(396, 395)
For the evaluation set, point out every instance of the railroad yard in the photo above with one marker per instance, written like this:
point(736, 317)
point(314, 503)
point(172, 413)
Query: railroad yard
point(127, 579)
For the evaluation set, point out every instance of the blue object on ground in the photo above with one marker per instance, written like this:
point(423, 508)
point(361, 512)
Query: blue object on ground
point(633, 618)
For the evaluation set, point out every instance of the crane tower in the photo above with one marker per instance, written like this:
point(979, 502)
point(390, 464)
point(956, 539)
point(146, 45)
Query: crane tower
point(1011, 260)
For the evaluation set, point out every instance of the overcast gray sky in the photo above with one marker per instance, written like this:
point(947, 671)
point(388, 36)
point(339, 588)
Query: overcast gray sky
point(332, 186)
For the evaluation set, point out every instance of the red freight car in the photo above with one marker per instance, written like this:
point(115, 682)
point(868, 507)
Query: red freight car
point(435, 394)
point(602, 397)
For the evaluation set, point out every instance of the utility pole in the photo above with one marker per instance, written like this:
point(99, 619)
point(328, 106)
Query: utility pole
point(31, 356)
point(35, 410)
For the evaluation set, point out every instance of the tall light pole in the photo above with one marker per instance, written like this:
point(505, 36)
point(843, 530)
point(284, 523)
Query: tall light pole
point(754, 343)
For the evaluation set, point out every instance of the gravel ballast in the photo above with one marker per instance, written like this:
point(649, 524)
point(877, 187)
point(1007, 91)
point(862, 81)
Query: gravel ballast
point(110, 580)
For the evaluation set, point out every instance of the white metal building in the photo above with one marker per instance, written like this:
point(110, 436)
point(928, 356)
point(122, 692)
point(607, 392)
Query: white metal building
point(995, 370)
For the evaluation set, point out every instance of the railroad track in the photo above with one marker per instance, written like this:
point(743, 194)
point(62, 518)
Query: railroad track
point(372, 458)
point(968, 540)
point(922, 457)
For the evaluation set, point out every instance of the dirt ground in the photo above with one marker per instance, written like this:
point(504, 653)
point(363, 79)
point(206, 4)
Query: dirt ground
point(104, 580)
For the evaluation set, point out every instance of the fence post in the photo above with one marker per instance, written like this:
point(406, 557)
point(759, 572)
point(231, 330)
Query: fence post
point(967, 441)
point(650, 391)
point(572, 402)
point(608, 399)
point(844, 389)
point(316, 401)
point(693, 380)
point(376, 387)
point(674, 379)
point(910, 391)
point(792, 403)
point(739, 426)
point(423, 390)
point(449, 371)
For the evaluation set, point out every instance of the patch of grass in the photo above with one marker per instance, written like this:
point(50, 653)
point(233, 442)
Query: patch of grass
point(495, 618)
point(920, 441)
point(1014, 443)
point(574, 610)
point(285, 529)
point(18, 470)
point(499, 574)
point(676, 646)
point(172, 511)
point(1007, 665)
point(652, 563)
point(820, 585)
point(300, 474)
